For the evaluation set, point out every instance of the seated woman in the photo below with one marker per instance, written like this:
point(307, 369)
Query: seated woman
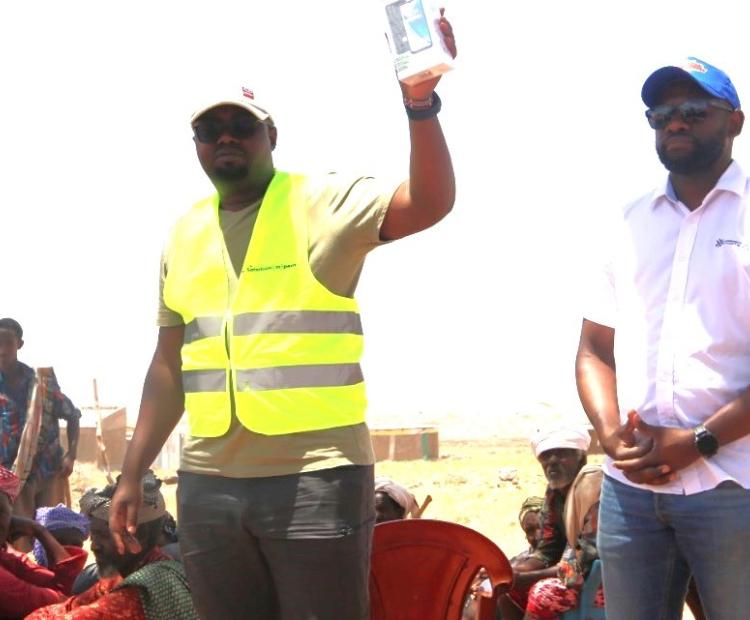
point(68, 527)
point(25, 585)
point(531, 523)
point(392, 501)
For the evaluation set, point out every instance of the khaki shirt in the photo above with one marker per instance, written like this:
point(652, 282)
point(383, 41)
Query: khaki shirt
point(344, 219)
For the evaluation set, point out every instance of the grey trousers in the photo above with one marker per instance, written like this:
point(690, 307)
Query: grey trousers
point(291, 547)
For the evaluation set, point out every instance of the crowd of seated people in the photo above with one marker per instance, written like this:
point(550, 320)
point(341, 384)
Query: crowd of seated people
point(24, 584)
point(549, 580)
point(144, 583)
point(147, 581)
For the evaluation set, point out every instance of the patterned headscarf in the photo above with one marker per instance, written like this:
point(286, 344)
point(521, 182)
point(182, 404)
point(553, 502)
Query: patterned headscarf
point(58, 517)
point(530, 504)
point(398, 494)
point(10, 484)
point(96, 502)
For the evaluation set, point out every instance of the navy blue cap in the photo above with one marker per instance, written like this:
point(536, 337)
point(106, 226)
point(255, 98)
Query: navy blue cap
point(712, 80)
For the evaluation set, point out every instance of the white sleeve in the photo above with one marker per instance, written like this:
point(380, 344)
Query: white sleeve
point(599, 299)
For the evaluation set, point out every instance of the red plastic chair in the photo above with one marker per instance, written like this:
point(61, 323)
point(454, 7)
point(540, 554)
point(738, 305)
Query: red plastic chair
point(422, 569)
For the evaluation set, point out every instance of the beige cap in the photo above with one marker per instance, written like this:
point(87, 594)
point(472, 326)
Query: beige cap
point(239, 96)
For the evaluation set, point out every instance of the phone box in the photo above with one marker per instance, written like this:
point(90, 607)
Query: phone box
point(417, 47)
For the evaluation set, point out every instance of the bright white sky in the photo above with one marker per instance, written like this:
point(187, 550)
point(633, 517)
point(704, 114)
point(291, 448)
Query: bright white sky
point(474, 319)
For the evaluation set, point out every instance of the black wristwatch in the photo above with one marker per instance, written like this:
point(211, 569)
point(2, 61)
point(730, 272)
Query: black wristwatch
point(705, 441)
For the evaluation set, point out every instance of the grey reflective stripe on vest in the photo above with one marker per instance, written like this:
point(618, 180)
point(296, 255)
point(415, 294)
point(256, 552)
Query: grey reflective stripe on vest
point(202, 327)
point(312, 375)
point(297, 322)
point(204, 381)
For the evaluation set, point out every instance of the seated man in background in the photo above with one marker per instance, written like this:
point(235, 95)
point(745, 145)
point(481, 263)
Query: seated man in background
point(392, 501)
point(548, 583)
point(68, 527)
point(24, 585)
point(148, 585)
point(168, 541)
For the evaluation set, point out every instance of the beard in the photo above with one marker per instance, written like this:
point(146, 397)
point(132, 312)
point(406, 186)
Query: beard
point(230, 173)
point(704, 155)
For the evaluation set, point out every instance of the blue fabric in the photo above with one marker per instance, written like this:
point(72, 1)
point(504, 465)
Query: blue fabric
point(586, 609)
point(649, 543)
point(57, 518)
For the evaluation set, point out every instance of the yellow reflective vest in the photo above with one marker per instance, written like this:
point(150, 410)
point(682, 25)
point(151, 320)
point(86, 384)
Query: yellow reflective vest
point(284, 351)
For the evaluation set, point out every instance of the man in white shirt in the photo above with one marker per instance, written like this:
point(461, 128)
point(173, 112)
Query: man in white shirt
point(663, 366)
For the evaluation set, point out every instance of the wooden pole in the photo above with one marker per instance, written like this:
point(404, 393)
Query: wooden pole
point(100, 436)
point(423, 507)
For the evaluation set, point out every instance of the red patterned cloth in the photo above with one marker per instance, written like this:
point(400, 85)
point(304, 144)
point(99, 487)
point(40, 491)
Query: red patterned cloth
point(26, 586)
point(96, 603)
point(10, 484)
point(100, 602)
point(549, 598)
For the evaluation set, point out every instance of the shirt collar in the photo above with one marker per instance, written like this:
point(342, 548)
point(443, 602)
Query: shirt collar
point(733, 180)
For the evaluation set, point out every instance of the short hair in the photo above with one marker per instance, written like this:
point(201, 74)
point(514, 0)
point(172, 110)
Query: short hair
point(13, 326)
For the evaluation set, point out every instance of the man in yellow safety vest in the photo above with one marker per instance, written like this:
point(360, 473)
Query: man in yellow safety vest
point(259, 342)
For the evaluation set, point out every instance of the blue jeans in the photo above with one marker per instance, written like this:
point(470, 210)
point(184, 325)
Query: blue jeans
point(650, 544)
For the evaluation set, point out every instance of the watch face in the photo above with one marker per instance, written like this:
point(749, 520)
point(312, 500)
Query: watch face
point(706, 443)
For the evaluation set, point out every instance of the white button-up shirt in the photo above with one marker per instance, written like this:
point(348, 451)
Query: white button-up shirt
point(677, 292)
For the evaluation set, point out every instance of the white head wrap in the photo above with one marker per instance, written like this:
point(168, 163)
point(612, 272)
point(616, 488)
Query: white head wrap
point(574, 437)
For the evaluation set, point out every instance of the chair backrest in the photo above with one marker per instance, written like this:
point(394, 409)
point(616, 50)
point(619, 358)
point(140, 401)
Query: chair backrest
point(422, 569)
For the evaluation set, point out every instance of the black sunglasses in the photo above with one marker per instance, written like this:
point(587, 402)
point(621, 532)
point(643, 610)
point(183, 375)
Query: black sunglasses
point(692, 111)
point(240, 127)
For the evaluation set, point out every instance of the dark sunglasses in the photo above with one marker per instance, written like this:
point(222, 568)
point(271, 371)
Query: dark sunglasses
point(209, 131)
point(692, 111)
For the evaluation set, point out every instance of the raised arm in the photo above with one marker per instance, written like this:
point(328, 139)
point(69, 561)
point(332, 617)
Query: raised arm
point(162, 405)
point(428, 195)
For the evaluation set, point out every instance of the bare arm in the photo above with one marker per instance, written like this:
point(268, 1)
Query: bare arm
point(732, 421)
point(597, 388)
point(595, 377)
point(20, 526)
point(530, 571)
point(428, 195)
point(73, 430)
point(162, 405)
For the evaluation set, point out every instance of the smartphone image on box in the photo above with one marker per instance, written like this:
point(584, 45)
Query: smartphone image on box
point(397, 28)
point(416, 26)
